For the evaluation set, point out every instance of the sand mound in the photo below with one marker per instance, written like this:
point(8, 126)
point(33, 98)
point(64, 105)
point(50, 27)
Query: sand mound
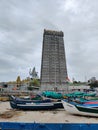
point(10, 114)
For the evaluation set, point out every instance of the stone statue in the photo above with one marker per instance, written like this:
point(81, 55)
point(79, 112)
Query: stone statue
point(33, 73)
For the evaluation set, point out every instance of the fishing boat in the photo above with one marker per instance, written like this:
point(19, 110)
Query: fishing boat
point(36, 105)
point(86, 109)
point(19, 103)
point(57, 102)
point(22, 100)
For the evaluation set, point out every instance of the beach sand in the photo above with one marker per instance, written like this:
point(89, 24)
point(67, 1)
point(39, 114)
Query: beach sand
point(7, 114)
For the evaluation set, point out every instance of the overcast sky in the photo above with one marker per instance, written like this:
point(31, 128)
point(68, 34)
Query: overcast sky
point(22, 23)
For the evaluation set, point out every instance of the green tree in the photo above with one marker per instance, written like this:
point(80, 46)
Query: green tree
point(30, 88)
point(18, 81)
point(34, 82)
point(93, 84)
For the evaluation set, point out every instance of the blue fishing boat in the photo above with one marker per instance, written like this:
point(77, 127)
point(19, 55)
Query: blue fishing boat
point(87, 108)
point(23, 100)
point(36, 105)
point(18, 103)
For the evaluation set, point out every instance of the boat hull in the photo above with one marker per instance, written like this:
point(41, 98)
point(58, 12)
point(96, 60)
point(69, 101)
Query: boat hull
point(34, 106)
point(79, 109)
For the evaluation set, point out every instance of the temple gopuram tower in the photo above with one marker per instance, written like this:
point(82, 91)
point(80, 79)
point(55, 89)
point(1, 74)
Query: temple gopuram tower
point(53, 63)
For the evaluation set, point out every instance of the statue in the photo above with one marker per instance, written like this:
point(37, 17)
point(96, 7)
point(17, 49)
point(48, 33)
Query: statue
point(33, 73)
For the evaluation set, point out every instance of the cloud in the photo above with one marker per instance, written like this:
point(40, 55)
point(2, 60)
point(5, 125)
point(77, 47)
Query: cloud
point(22, 24)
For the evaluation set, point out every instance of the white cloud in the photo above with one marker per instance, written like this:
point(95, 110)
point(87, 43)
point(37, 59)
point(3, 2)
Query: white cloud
point(22, 24)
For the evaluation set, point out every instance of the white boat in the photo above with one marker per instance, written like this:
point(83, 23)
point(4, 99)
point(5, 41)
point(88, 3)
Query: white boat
point(79, 109)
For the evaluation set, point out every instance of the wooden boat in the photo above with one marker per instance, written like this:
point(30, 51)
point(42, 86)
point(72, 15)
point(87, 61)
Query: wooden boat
point(22, 100)
point(57, 103)
point(4, 98)
point(81, 109)
point(36, 105)
point(19, 103)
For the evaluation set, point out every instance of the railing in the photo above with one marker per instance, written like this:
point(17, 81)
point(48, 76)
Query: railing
point(15, 92)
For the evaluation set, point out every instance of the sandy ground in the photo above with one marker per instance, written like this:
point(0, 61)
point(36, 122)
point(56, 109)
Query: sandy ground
point(7, 114)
